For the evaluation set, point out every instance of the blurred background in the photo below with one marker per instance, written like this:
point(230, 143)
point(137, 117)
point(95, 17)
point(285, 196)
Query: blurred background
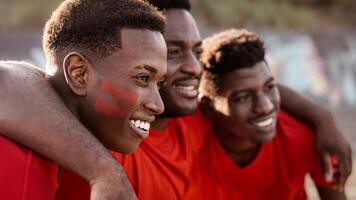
point(311, 45)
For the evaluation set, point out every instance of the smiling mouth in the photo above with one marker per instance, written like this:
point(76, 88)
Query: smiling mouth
point(187, 87)
point(188, 91)
point(141, 127)
point(265, 123)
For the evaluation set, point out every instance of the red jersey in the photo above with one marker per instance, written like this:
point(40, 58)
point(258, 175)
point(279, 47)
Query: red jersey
point(277, 172)
point(160, 168)
point(25, 175)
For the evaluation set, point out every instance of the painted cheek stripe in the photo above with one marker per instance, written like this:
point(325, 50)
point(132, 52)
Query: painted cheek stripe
point(109, 109)
point(123, 95)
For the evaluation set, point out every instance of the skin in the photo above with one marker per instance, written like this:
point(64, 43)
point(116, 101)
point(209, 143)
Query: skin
point(137, 67)
point(75, 161)
point(183, 68)
point(84, 154)
point(124, 69)
point(245, 98)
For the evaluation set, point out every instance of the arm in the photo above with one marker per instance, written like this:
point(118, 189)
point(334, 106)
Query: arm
point(329, 139)
point(32, 114)
point(330, 194)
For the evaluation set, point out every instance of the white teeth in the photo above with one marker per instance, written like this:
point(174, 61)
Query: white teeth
point(183, 87)
point(265, 123)
point(141, 124)
point(137, 123)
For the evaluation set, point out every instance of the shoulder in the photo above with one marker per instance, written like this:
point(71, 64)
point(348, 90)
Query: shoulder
point(296, 139)
point(292, 128)
point(25, 173)
point(10, 69)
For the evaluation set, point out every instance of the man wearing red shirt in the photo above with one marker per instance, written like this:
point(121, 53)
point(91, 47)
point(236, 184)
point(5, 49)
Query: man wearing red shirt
point(253, 151)
point(105, 64)
point(162, 167)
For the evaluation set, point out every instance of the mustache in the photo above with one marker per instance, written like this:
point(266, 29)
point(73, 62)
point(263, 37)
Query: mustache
point(185, 78)
point(274, 111)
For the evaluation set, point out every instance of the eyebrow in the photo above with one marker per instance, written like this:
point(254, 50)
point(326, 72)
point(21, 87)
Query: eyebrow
point(181, 43)
point(148, 68)
point(270, 79)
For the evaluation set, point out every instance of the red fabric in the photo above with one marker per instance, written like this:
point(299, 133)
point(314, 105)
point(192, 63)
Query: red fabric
point(161, 166)
point(277, 172)
point(25, 175)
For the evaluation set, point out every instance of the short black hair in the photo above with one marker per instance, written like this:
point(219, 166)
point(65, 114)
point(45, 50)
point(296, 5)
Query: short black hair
point(95, 26)
point(227, 51)
point(171, 4)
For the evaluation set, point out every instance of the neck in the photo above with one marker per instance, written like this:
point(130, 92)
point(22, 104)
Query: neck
point(58, 83)
point(242, 150)
point(160, 123)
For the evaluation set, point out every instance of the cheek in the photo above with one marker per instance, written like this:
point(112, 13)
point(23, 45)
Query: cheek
point(124, 99)
point(276, 100)
point(172, 68)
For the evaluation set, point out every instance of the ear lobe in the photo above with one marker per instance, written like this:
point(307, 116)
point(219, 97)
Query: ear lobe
point(76, 69)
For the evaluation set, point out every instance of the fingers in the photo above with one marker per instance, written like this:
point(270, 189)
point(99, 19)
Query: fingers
point(327, 166)
point(343, 168)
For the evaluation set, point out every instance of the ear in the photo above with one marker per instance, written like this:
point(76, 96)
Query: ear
point(206, 104)
point(76, 72)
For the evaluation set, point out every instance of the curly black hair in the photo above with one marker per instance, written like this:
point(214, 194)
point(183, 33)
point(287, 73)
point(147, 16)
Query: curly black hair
point(95, 26)
point(227, 51)
point(171, 4)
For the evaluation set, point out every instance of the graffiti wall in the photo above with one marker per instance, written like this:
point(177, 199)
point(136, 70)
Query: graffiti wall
point(321, 65)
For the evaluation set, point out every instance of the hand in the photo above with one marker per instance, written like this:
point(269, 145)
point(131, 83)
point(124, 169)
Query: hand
point(111, 187)
point(335, 154)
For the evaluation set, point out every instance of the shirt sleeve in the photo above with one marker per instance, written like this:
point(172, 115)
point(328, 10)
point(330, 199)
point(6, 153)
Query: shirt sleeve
point(25, 174)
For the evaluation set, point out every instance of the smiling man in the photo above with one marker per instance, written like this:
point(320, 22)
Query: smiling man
point(252, 150)
point(105, 60)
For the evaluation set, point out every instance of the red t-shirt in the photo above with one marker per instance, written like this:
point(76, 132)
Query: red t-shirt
point(276, 173)
point(160, 168)
point(25, 175)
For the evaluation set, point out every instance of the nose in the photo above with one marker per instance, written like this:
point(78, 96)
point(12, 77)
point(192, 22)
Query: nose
point(263, 104)
point(153, 102)
point(192, 65)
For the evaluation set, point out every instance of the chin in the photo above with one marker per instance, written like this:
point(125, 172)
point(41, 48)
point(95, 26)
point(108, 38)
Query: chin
point(266, 137)
point(127, 148)
point(181, 109)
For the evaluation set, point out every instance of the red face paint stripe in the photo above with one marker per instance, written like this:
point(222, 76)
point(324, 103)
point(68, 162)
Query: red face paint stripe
point(109, 109)
point(123, 95)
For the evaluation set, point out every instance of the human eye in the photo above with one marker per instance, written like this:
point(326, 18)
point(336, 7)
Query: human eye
point(271, 86)
point(143, 78)
point(197, 51)
point(240, 98)
point(161, 83)
point(174, 52)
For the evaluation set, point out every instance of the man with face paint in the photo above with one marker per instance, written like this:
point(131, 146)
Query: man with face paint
point(253, 150)
point(105, 63)
point(164, 163)
point(161, 168)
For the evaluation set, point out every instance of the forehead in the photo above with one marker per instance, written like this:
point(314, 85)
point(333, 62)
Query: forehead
point(140, 47)
point(246, 78)
point(181, 26)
